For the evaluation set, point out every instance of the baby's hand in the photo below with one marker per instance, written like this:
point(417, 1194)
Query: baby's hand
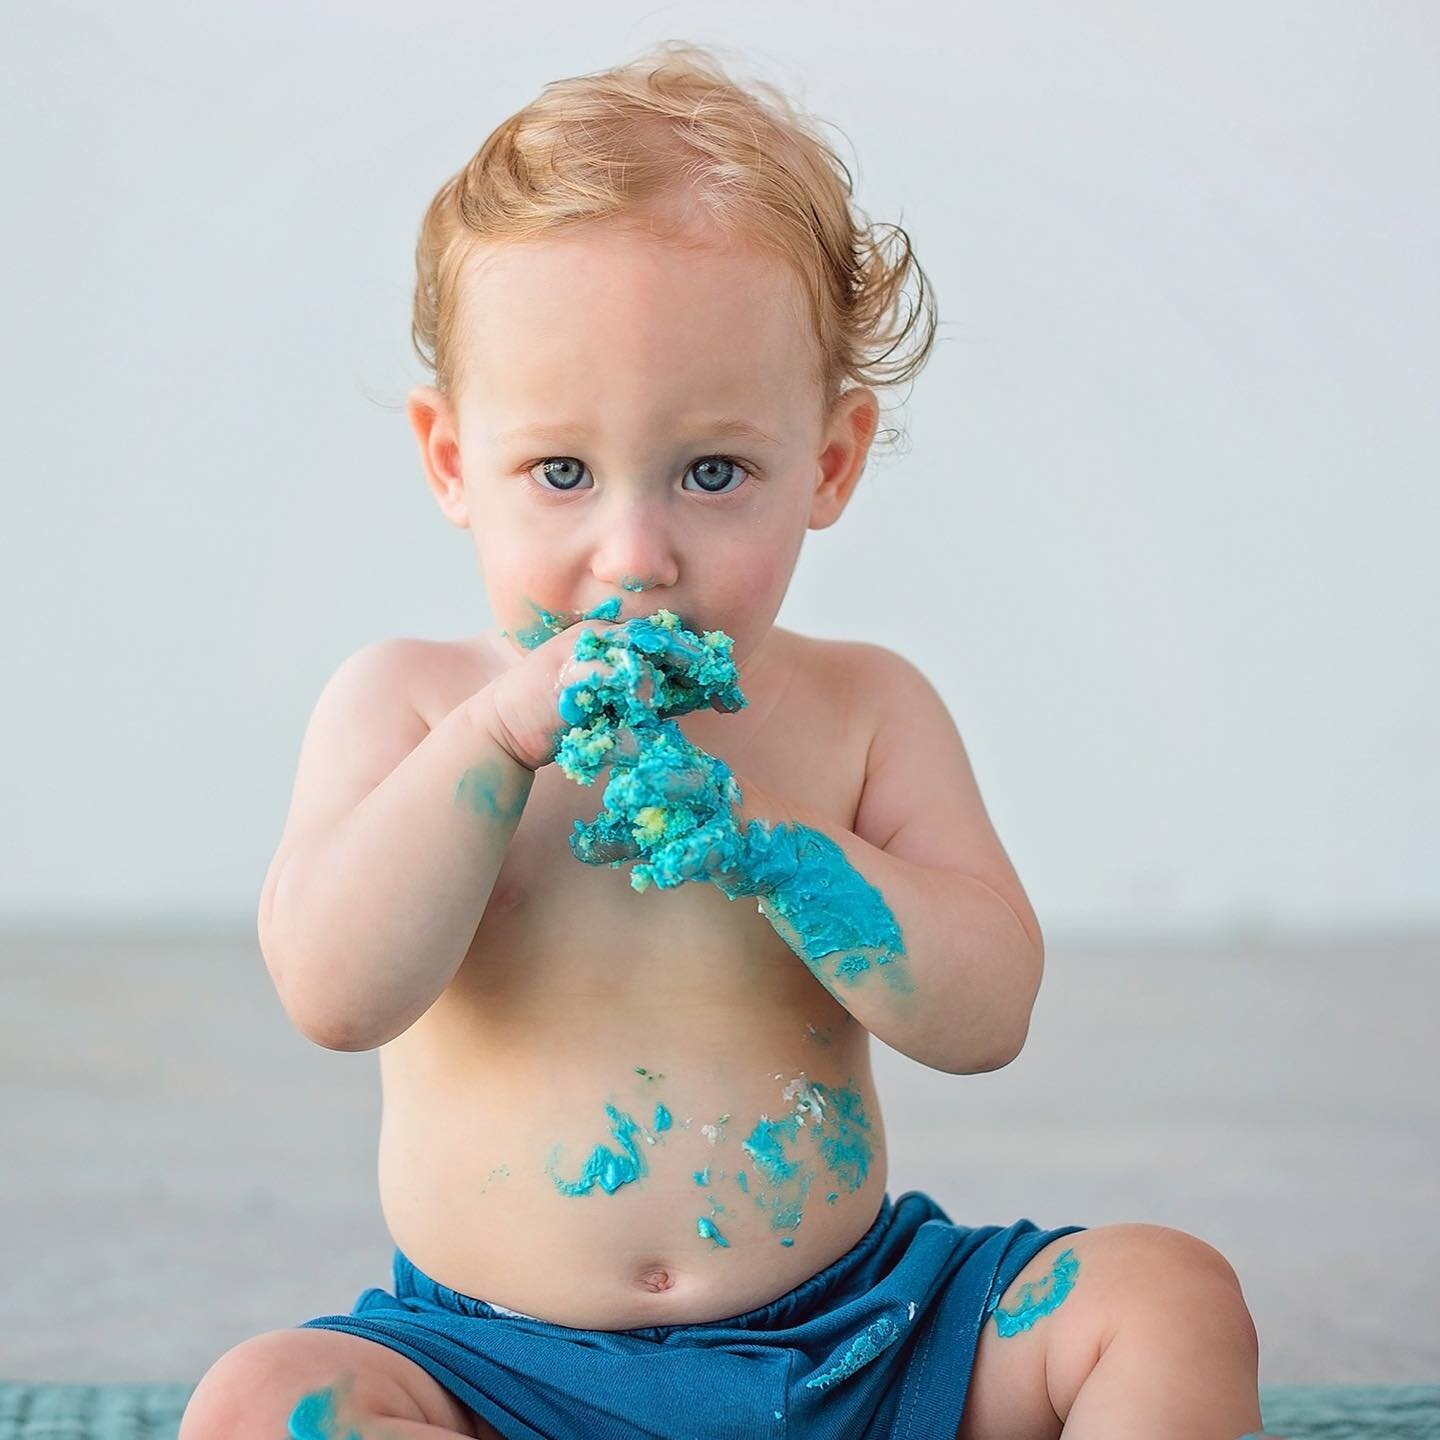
point(534, 703)
point(524, 703)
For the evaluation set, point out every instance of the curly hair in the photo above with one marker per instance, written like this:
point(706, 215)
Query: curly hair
point(621, 144)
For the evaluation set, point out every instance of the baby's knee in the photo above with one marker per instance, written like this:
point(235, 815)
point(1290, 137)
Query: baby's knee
point(255, 1388)
point(1167, 1280)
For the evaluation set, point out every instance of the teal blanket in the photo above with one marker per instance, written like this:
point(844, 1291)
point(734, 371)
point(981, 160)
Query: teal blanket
point(152, 1412)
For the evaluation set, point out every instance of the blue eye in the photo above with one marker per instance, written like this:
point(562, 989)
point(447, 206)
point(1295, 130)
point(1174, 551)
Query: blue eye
point(718, 487)
point(570, 483)
point(567, 481)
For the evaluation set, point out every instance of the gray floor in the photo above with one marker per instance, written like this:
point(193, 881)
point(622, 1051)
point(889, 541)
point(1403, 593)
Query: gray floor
point(182, 1170)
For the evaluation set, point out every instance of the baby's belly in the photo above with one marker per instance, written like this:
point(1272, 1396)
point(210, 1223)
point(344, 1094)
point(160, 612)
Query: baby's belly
point(609, 1174)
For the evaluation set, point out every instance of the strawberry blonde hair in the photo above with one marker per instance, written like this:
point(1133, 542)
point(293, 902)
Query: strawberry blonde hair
point(618, 145)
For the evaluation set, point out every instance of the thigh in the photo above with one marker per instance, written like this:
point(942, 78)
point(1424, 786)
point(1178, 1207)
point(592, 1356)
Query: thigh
point(1024, 1381)
point(254, 1388)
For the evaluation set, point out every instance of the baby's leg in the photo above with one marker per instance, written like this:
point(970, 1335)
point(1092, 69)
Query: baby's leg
point(323, 1385)
point(1152, 1337)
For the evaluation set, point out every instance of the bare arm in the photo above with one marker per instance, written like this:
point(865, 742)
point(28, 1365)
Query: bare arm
point(395, 837)
point(912, 917)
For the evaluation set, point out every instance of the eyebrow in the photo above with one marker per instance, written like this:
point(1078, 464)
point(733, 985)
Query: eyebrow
point(739, 429)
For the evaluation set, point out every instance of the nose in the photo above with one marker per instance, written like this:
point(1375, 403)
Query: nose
point(635, 550)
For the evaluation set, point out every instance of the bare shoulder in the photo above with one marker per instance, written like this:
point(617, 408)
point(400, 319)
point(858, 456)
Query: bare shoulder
point(878, 669)
point(839, 667)
point(401, 672)
point(836, 677)
point(445, 673)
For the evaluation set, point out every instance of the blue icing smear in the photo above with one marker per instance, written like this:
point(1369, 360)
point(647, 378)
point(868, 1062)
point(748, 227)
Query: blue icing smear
point(702, 1177)
point(742, 1181)
point(707, 1231)
point(833, 1120)
point(1029, 1310)
point(862, 1350)
point(314, 1418)
point(668, 806)
point(764, 1147)
point(552, 622)
point(479, 788)
point(823, 905)
point(844, 1136)
point(662, 1118)
point(604, 1167)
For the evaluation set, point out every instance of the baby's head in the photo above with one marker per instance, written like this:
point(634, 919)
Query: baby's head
point(651, 312)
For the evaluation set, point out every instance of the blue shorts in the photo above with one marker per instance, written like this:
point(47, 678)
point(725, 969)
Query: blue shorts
point(879, 1343)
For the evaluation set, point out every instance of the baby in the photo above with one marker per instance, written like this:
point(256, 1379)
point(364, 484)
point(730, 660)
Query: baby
point(621, 887)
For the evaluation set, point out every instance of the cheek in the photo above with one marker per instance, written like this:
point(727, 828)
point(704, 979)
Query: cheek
point(516, 575)
point(512, 554)
point(749, 576)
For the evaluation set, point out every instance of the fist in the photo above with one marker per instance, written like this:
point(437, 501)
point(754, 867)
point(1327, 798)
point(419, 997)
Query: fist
point(522, 705)
point(531, 706)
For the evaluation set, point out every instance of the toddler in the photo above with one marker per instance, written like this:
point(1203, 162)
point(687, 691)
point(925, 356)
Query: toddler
point(632, 1158)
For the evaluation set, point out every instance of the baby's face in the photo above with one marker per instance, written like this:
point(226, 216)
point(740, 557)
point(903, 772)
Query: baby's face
point(587, 451)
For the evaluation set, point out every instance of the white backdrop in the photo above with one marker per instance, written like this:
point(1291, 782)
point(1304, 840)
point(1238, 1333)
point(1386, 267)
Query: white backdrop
point(1164, 536)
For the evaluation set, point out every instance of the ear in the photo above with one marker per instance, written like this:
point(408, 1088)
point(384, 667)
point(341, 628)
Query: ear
point(840, 464)
point(434, 424)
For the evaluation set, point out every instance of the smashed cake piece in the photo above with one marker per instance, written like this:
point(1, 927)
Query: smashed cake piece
point(667, 802)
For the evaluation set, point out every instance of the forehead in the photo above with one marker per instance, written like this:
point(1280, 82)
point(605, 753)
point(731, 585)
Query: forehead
point(631, 320)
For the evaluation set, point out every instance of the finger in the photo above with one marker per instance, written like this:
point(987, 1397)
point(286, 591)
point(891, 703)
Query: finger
point(607, 852)
point(668, 650)
point(576, 700)
point(697, 859)
point(683, 784)
point(627, 744)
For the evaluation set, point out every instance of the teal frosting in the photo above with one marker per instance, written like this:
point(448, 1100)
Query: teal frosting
point(604, 1167)
point(314, 1418)
point(843, 1136)
point(829, 1120)
point(552, 622)
point(668, 806)
point(764, 1147)
point(480, 788)
point(1032, 1305)
point(874, 1338)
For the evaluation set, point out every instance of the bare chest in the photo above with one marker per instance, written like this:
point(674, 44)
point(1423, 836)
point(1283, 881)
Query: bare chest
point(557, 932)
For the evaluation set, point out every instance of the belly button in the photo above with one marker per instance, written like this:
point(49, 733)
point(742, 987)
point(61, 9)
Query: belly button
point(656, 1278)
